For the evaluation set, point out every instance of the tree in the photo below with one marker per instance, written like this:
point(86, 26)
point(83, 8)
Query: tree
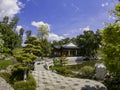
point(63, 60)
point(33, 46)
point(21, 69)
point(111, 51)
point(28, 33)
point(21, 32)
point(43, 31)
point(89, 43)
point(45, 47)
point(13, 23)
point(1, 43)
point(10, 36)
point(5, 20)
point(26, 58)
point(111, 47)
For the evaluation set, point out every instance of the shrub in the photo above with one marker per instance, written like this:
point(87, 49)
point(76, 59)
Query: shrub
point(5, 63)
point(87, 72)
point(55, 62)
point(30, 84)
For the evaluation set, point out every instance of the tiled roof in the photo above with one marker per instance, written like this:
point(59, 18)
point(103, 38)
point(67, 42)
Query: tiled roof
point(69, 45)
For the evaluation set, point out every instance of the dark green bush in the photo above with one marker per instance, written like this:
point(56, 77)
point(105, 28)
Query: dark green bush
point(112, 82)
point(30, 84)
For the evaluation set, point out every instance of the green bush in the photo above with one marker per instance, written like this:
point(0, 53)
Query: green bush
point(30, 84)
point(87, 72)
point(5, 63)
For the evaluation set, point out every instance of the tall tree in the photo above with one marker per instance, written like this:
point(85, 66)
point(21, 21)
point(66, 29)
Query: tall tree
point(28, 33)
point(89, 43)
point(111, 47)
point(1, 43)
point(21, 32)
point(43, 31)
point(111, 50)
point(5, 20)
point(13, 23)
point(11, 38)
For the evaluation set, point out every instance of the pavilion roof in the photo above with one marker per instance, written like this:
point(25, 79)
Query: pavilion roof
point(70, 45)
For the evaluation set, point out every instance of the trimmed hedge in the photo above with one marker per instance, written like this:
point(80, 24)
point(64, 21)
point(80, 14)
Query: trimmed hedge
point(30, 84)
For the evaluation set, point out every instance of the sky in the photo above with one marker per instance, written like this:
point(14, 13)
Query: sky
point(65, 18)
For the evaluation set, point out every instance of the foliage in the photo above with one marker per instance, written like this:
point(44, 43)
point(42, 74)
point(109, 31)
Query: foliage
point(111, 47)
point(5, 63)
point(43, 31)
point(33, 46)
point(62, 42)
point(63, 60)
point(26, 63)
point(112, 83)
point(28, 33)
point(18, 72)
point(30, 84)
point(89, 43)
point(87, 72)
point(56, 62)
point(45, 47)
point(116, 12)
point(111, 50)
point(10, 36)
point(69, 70)
point(1, 43)
point(17, 51)
point(38, 47)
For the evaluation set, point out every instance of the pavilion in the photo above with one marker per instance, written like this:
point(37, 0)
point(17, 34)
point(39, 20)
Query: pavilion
point(68, 50)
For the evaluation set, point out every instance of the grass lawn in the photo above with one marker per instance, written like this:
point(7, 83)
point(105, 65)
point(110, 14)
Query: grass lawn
point(77, 67)
point(69, 70)
point(5, 63)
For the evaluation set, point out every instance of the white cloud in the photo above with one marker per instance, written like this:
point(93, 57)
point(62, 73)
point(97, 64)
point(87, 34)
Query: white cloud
point(38, 24)
point(66, 35)
point(104, 4)
point(56, 37)
point(10, 8)
point(87, 28)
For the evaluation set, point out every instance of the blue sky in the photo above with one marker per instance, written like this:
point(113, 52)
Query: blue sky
point(66, 18)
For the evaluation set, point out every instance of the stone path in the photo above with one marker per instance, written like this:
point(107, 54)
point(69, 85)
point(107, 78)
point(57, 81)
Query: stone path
point(47, 80)
point(4, 85)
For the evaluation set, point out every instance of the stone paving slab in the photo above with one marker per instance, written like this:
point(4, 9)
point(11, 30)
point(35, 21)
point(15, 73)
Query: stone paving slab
point(4, 85)
point(48, 80)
